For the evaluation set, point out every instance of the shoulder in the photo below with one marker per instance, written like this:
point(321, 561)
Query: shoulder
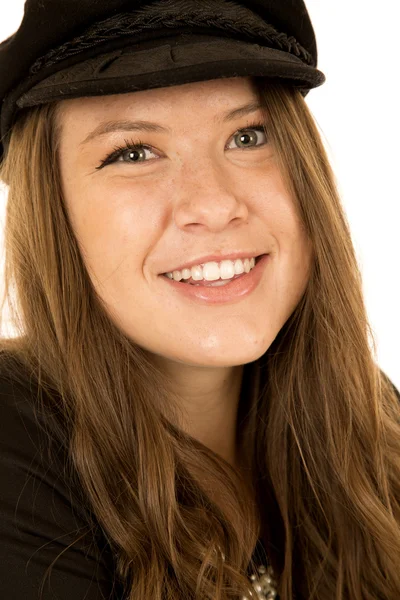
point(33, 440)
point(35, 464)
point(45, 517)
point(25, 410)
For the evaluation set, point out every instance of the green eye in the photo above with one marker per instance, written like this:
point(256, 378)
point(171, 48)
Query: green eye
point(243, 137)
point(134, 153)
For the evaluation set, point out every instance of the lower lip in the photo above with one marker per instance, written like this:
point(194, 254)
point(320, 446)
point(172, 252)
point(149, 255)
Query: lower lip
point(231, 292)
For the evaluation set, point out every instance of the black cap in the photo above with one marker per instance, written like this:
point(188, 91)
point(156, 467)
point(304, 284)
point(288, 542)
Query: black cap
point(77, 48)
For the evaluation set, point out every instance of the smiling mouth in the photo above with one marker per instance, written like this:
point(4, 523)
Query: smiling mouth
point(221, 291)
point(218, 282)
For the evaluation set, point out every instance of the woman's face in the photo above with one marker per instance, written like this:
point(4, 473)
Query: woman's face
point(195, 191)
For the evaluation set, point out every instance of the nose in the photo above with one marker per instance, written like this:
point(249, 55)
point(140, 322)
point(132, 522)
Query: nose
point(209, 197)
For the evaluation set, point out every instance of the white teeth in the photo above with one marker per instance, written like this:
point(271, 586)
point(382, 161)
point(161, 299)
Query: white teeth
point(239, 267)
point(212, 271)
point(227, 269)
point(197, 273)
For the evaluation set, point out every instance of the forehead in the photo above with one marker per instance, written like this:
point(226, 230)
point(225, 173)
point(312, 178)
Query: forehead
point(211, 95)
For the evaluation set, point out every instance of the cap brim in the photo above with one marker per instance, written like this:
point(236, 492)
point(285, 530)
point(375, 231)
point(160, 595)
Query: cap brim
point(175, 62)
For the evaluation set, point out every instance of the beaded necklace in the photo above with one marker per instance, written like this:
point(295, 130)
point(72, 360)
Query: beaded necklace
point(263, 582)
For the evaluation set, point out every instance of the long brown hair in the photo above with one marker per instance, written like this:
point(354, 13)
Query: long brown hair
point(318, 420)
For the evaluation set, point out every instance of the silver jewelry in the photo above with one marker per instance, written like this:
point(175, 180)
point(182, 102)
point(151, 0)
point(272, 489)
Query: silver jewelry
point(264, 584)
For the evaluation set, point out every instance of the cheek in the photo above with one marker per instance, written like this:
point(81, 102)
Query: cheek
point(298, 257)
point(293, 248)
point(113, 225)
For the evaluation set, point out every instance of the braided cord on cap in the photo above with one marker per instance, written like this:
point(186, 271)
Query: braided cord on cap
point(221, 14)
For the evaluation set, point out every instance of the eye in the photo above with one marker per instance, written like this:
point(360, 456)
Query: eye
point(135, 150)
point(245, 137)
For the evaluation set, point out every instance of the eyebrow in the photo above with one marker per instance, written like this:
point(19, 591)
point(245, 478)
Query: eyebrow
point(125, 125)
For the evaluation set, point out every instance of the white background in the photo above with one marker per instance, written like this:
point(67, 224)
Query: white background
point(357, 111)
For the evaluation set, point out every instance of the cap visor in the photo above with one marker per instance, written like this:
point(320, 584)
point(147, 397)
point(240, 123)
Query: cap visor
point(174, 62)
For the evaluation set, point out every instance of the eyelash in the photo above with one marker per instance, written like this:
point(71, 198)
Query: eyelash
point(138, 144)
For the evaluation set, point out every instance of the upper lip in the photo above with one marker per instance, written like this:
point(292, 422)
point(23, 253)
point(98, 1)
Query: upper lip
point(215, 258)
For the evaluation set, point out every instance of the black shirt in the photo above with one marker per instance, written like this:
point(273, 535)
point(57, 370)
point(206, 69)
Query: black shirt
point(42, 511)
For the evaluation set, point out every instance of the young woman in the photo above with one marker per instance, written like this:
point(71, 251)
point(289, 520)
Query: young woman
point(192, 406)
